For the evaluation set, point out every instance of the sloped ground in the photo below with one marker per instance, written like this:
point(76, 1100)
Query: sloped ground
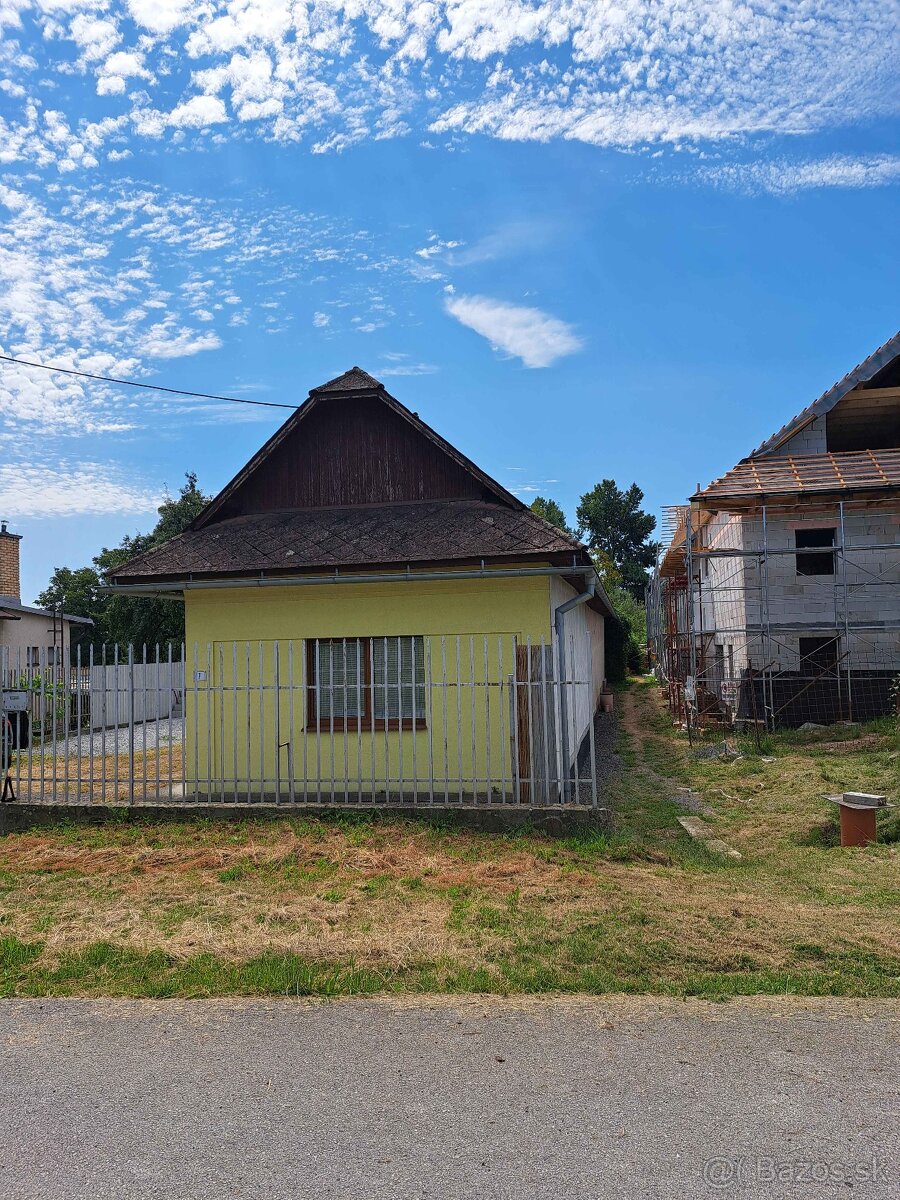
point(305, 905)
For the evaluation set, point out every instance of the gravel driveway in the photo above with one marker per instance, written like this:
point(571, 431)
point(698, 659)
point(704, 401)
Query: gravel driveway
point(582, 1099)
point(115, 741)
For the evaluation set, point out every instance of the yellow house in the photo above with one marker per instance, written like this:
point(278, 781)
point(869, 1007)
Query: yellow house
point(370, 616)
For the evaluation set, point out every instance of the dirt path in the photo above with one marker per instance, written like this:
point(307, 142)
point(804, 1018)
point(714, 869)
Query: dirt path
point(634, 723)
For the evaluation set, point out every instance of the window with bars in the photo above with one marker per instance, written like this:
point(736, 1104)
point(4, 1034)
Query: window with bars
point(366, 683)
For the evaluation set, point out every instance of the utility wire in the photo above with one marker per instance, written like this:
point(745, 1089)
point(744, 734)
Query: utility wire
point(153, 387)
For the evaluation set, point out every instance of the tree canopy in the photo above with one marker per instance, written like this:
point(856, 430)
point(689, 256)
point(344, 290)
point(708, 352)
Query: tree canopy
point(550, 511)
point(124, 619)
point(617, 532)
point(613, 524)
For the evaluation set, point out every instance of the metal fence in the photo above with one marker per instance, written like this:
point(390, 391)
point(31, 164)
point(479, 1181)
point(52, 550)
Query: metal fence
point(397, 721)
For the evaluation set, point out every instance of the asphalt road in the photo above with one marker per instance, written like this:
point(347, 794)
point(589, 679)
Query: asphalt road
point(570, 1099)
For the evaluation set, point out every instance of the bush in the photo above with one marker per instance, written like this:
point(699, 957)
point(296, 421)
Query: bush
point(625, 637)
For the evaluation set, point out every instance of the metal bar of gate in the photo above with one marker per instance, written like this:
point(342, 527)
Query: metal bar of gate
point(459, 718)
point(79, 730)
point(487, 724)
point(501, 701)
point(234, 721)
point(249, 723)
point(261, 665)
point(399, 719)
point(346, 716)
point(220, 701)
point(472, 693)
point(414, 713)
point(290, 745)
point(548, 778)
point(276, 718)
point(90, 731)
point(428, 712)
point(445, 729)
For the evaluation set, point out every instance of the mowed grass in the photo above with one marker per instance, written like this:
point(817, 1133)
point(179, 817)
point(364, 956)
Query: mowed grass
point(350, 905)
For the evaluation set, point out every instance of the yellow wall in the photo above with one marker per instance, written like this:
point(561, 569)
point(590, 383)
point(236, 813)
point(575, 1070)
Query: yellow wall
point(229, 734)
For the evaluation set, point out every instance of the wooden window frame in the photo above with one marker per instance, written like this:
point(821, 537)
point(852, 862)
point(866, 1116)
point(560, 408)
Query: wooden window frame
point(366, 722)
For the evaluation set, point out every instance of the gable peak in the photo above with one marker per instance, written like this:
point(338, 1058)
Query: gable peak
point(354, 380)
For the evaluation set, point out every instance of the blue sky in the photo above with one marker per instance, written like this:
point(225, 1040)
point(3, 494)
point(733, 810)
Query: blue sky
point(582, 240)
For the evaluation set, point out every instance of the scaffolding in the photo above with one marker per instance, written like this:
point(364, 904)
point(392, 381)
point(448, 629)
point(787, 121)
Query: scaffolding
point(770, 616)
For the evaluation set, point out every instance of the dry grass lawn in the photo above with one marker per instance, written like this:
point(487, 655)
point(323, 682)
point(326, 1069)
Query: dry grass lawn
point(102, 780)
point(308, 905)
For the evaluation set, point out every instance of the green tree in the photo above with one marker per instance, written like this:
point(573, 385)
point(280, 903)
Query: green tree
point(625, 638)
point(613, 524)
point(550, 511)
point(124, 619)
point(77, 591)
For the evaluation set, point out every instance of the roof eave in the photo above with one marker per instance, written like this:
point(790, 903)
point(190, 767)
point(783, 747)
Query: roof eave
point(716, 501)
point(558, 558)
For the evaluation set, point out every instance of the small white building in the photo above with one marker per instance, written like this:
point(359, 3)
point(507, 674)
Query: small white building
point(30, 638)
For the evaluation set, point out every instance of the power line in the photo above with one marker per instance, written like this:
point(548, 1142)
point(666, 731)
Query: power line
point(153, 387)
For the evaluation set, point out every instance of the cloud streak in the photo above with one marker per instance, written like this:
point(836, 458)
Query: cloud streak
point(784, 176)
point(71, 489)
point(329, 73)
point(529, 334)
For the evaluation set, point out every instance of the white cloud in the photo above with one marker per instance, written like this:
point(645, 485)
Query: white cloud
point(526, 333)
point(635, 73)
point(784, 176)
point(120, 279)
point(159, 16)
point(117, 69)
point(164, 341)
point(95, 37)
point(110, 85)
point(198, 112)
point(71, 489)
point(436, 248)
point(408, 369)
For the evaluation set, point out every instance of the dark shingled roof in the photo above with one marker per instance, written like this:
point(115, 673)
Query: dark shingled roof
point(304, 540)
point(246, 534)
point(354, 380)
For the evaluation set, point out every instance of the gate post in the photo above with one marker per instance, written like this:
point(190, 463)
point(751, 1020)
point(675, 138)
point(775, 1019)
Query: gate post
point(130, 723)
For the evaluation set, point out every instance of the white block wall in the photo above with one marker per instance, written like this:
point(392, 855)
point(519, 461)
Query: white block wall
point(810, 440)
point(732, 589)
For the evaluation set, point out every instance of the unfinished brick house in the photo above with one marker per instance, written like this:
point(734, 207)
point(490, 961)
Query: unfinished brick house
point(777, 599)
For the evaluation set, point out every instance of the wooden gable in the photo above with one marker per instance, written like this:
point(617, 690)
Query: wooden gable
point(352, 444)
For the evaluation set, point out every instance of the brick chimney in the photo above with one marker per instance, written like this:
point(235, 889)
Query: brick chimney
point(9, 564)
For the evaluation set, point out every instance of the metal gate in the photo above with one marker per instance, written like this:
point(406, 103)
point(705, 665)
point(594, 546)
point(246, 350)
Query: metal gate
point(414, 720)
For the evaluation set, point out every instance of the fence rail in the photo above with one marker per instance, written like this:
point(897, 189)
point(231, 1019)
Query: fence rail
point(395, 721)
